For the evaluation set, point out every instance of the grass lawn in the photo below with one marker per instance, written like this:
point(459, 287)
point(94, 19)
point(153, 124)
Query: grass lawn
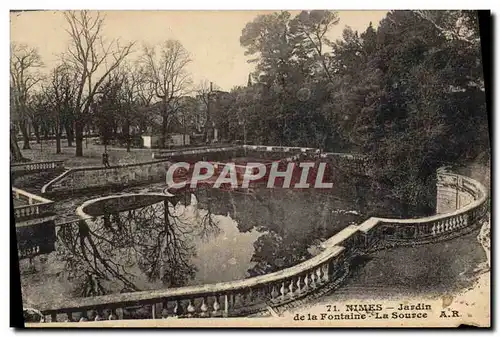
point(92, 154)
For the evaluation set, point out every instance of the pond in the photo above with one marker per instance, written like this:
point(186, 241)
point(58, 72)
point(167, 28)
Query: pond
point(198, 236)
point(210, 235)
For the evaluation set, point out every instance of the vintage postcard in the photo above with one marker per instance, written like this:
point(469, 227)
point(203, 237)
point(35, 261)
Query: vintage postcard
point(313, 168)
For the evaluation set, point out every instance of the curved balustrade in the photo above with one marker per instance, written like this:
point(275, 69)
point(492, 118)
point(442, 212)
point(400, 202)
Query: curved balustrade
point(241, 297)
point(32, 206)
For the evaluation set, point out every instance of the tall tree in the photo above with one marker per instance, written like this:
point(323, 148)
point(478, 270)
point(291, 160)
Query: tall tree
point(309, 30)
point(93, 60)
point(165, 69)
point(24, 65)
point(132, 80)
point(61, 90)
point(205, 95)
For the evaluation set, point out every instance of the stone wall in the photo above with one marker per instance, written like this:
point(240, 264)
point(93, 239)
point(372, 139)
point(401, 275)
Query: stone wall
point(92, 178)
point(453, 193)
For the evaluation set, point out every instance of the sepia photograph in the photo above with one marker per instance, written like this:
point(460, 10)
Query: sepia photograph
point(224, 168)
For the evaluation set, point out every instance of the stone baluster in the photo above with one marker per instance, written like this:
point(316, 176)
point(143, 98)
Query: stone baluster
point(299, 284)
point(190, 308)
point(226, 305)
point(291, 287)
point(164, 309)
point(274, 293)
point(119, 313)
point(250, 296)
point(243, 298)
point(319, 276)
point(283, 291)
point(236, 300)
point(306, 282)
point(232, 300)
point(204, 308)
point(216, 306)
point(326, 272)
point(112, 315)
point(313, 279)
point(178, 311)
point(153, 311)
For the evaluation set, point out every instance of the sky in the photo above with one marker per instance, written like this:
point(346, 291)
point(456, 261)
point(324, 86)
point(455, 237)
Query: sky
point(211, 37)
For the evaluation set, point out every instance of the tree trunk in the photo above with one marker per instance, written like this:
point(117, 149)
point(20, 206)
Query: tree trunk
point(58, 132)
point(46, 133)
point(15, 152)
point(26, 137)
point(126, 131)
point(36, 130)
point(79, 138)
point(164, 124)
point(69, 134)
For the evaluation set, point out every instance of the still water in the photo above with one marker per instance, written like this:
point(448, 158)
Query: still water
point(210, 236)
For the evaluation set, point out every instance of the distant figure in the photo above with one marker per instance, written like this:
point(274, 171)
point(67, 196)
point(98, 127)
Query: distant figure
point(105, 159)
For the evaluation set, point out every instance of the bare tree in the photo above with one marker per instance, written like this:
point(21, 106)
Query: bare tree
point(93, 59)
point(60, 91)
point(204, 94)
point(134, 92)
point(165, 69)
point(24, 65)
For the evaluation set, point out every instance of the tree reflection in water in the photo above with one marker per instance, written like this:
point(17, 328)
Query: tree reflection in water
point(291, 222)
point(129, 250)
point(109, 253)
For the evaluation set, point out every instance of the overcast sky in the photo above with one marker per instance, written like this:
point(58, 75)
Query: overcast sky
point(211, 37)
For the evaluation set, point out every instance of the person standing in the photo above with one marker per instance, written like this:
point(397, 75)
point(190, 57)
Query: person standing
point(105, 159)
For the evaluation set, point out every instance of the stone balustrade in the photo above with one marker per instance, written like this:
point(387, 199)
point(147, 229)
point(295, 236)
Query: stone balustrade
point(211, 300)
point(34, 216)
point(36, 166)
point(31, 205)
point(166, 154)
